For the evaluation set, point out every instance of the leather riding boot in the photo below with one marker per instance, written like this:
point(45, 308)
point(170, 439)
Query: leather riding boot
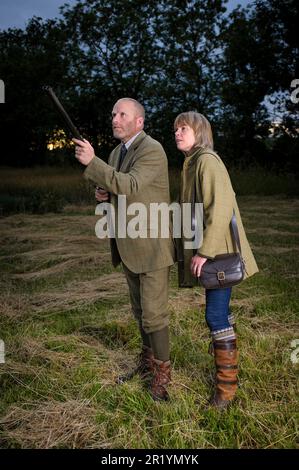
point(144, 366)
point(226, 362)
point(161, 379)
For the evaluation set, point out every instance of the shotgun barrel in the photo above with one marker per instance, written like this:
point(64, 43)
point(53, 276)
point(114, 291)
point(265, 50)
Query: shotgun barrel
point(67, 120)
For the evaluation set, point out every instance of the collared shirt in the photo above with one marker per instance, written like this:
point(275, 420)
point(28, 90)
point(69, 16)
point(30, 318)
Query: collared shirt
point(127, 144)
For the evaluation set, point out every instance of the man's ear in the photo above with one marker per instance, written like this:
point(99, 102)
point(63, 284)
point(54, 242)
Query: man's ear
point(140, 122)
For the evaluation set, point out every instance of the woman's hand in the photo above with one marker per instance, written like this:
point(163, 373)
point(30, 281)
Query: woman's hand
point(197, 263)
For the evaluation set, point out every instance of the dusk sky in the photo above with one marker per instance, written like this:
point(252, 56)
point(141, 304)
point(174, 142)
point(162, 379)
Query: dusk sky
point(16, 13)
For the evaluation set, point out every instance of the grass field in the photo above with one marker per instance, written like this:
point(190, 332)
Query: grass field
point(49, 189)
point(68, 331)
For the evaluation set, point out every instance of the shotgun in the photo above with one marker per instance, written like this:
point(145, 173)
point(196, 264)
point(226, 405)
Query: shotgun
point(67, 120)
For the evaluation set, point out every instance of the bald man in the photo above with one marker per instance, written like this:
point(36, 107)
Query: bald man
point(138, 169)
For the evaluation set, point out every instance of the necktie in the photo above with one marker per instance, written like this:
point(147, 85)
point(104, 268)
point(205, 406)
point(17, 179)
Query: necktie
point(123, 152)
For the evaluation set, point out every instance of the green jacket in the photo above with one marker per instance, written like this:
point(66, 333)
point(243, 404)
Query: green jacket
point(143, 179)
point(214, 190)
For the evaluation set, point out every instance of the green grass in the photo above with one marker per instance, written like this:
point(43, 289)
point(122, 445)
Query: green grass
point(49, 189)
point(68, 331)
point(42, 189)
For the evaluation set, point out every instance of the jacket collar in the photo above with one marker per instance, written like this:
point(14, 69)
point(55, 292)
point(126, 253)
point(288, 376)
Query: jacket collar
point(194, 151)
point(131, 150)
point(136, 142)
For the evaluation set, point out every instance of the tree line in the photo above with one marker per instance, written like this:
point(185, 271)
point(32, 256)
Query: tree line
point(171, 55)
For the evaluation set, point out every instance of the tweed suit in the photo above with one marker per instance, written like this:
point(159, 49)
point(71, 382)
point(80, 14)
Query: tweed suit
point(143, 178)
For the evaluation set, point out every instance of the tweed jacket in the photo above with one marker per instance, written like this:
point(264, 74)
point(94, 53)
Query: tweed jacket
point(143, 178)
point(205, 171)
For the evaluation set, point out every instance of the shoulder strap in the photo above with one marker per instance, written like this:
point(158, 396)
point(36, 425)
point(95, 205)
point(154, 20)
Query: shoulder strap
point(233, 222)
point(194, 192)
point(235, 230)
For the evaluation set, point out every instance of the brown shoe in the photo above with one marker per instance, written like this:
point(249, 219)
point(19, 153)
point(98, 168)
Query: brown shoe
point(144, 366)
point(161, 379)
point(226, 362)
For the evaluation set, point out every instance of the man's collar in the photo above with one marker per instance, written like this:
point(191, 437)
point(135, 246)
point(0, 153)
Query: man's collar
point(127, 144)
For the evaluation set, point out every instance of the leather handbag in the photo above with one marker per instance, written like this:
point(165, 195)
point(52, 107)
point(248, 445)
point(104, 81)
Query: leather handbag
point(225, 270)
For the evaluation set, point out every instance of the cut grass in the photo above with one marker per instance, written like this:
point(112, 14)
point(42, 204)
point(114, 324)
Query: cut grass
point(68, 331)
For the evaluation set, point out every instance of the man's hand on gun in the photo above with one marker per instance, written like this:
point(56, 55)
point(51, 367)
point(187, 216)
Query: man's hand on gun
point(101, 195)
point(84, 151)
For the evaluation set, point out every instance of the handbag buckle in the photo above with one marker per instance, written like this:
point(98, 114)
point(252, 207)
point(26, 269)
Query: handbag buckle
point(221, 276)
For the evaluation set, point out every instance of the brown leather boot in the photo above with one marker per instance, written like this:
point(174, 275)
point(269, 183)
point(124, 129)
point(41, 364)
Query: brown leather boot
point(144, 366)
point(226, 362)
point(161, 379)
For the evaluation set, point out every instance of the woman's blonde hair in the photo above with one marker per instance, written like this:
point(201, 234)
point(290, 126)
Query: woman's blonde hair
point(200, 125)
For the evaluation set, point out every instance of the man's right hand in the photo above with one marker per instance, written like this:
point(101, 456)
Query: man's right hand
point(101, 195)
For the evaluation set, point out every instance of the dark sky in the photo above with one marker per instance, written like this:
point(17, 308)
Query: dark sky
point(15, 13)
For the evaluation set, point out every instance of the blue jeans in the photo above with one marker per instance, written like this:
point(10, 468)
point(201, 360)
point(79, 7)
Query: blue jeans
point(217, 308)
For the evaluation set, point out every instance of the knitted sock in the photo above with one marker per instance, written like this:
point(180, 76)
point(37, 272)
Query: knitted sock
point(223, 335)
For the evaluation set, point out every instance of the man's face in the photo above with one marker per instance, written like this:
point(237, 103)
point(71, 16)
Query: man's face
point(125, 124)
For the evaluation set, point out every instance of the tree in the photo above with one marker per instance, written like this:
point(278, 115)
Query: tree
point(189, 57)
point(260, 49)
point(172, 55)
point(28, 60)
point(115, 56)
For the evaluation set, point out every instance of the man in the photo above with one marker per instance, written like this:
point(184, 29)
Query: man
point(138, 169)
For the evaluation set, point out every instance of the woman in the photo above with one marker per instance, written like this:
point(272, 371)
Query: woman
point(205, 180)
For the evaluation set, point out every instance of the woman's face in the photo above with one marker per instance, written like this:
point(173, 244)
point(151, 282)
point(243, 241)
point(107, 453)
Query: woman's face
point(184, 137)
